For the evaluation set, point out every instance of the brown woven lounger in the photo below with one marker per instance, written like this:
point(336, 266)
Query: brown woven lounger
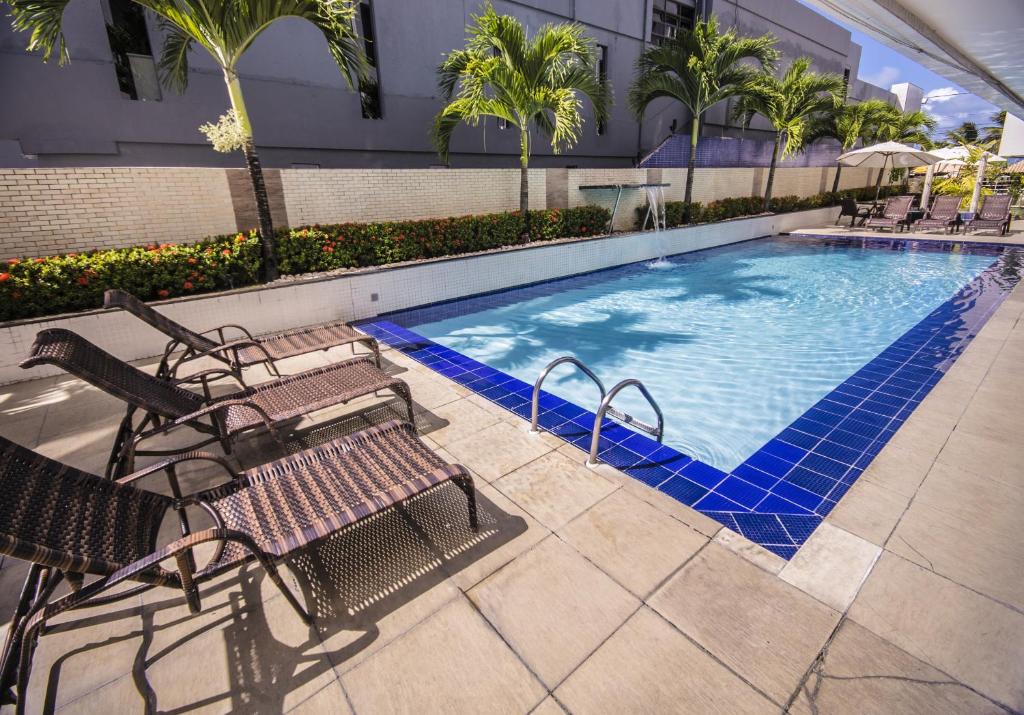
point(994, 213)
point(165, 404)
point(241, 352)
point(893, 214)
point(944, 213)
point(70, 523)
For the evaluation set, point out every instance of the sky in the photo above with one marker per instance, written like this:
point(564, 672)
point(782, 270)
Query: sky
point(947, 102)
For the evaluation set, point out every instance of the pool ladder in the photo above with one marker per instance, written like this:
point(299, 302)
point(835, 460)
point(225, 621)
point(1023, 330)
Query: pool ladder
point(606, 404)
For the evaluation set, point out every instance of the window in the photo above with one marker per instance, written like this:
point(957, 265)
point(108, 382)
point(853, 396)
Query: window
point(133, 57)
point(668, 17)
point(369, 89)
point(602, 76)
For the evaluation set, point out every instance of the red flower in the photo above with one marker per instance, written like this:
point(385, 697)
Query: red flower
point(226, 252)
point(328, 249)
point(83, 281)
point(192, 261)
point(187, 285)
point(4, 277)
point(163, 293)
point(13, 262)
point(39, 260)
point(239, 238)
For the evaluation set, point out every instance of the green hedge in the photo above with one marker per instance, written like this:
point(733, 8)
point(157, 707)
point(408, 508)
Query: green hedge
point(35, 287)
point(678, 213)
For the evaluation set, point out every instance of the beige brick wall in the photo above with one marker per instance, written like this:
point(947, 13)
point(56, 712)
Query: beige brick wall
point(625, 218)
point(343, 195)
point(44, 211)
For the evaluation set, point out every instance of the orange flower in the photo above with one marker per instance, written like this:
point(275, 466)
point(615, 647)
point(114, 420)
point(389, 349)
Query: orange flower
point(226, 252)
point(239, 238)
point(163, 293)
point(39, 260)
point(192, 261)
point(71, 255)
point(13, 262)
point(4, 277)
point(187, 285)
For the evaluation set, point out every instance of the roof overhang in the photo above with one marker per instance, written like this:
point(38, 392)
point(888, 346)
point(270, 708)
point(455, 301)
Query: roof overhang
point(976, 45)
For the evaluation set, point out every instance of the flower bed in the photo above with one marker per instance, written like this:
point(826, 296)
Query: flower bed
point(36, 287)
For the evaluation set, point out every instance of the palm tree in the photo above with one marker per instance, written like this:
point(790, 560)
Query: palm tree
point(699, 68)
point(904, 128)
point(526, 82)
point(994, 132)
point(225, 29)
point(789, 103)
point(848, 124)
point(965, 133)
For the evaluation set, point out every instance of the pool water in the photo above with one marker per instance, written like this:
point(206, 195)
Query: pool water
point(734, 343)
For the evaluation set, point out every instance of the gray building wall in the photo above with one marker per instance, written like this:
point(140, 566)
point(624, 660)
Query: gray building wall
point(303, 113)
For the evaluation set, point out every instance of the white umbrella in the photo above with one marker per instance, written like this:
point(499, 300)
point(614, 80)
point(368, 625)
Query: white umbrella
point(953, 157)
point(887, 155)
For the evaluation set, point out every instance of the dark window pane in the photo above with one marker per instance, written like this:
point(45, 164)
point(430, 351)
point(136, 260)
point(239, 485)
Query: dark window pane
point(369, 89)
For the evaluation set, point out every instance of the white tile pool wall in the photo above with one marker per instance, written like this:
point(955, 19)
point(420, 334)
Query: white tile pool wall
point(349, 297)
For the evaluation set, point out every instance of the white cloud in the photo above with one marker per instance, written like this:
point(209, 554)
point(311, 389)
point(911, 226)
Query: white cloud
point(950, 106)
point(884, 78)
point(942, 94)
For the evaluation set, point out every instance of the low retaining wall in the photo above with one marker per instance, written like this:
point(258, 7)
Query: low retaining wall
point(364, 294)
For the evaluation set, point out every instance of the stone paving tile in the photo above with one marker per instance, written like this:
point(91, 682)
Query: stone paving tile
point(648, 666)
point(464, 419)
point(831, 566)
point(754, 553)
point(861, 674)
point(554, 489)
point(499, 449)
point(553, 607)
point(550, 706)
point(330, 699)
point(761, 627)
point(632, 542)
point(452, 662)
point(974, 639)
point(899, 469)
point(870, 511)
point(966, 527)
point(1000, 457)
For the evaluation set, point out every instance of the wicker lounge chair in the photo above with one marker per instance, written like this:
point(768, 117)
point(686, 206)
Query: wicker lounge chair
point(241, 352)
point(70, 523)
point(166, 404)
point(994, 213)
point(894, 214)
point(944, 213)
point(849, 207)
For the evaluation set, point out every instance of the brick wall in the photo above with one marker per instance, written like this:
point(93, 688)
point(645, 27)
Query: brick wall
point(44, 211)
point(47, 211)
point(340, 195)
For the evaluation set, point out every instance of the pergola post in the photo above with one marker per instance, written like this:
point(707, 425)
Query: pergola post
point(976, 195)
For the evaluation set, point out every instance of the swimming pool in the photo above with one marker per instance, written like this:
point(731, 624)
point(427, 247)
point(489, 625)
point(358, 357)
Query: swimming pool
point(782, 365)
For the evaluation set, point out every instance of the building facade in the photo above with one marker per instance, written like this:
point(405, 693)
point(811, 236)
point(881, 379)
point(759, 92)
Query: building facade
point(106, 108)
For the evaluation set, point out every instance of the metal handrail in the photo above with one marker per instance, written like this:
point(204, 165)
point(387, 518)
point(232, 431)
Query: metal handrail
point(606, 402)
point(535, 408)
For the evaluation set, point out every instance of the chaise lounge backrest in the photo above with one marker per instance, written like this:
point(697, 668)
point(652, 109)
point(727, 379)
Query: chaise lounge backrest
point(78, 356)
point(994, 208)
point(58, 516)
point(897, 207)
point(116, 298)
point(944, 208)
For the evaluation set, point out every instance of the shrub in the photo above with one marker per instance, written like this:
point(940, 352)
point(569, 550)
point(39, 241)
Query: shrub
point(34, 287)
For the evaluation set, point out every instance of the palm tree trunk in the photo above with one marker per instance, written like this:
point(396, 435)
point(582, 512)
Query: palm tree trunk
point(835, 181)
point(771, 170)
point(692, 163)
point(524, 178)
point(259, 187)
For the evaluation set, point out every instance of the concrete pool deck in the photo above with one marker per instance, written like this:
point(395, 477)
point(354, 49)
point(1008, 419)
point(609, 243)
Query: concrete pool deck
point(586, 590)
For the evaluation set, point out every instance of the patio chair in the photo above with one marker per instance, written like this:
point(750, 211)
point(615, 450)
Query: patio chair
point(944, 213)
point(993, 213)
point(238, 353)
point(70, 524)
point(166, 404)
point(894, 214)
point(849, 207)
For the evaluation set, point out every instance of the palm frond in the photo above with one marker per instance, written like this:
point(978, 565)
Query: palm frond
point(173, 64)
point(42, 19)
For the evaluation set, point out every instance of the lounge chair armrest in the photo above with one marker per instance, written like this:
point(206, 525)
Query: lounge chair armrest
point(179, 459)
point(221, 328)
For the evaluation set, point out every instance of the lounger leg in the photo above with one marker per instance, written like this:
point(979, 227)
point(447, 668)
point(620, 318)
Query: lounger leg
point(466, 485)
point(289, 596)
point(375, 346)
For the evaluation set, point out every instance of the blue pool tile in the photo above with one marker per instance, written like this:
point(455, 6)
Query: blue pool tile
point(824, 465)
point(786, 552)
point(800, 497)
point(683, 489)
point(825, 507)
point(811, 481)
point(641, 444)
point(809, 426)
point(851, 440)
point(724, 518)
point(703, 474)
point(769, 464)
point(774, 504)
point(782, 450)
point(798, 439)
point(755, 476)
point(619, 457)
point(799, 527)
point(762, 528)
point(716, 502)
point(741, 492)
point(837, 452)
